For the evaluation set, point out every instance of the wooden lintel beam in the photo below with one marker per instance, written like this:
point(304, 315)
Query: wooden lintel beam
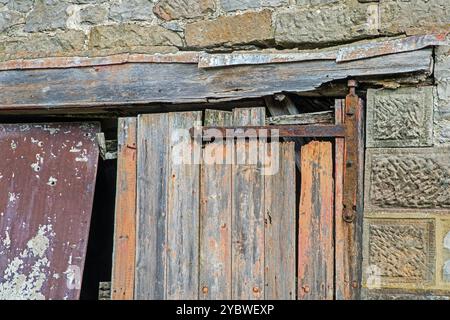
point(133, 84)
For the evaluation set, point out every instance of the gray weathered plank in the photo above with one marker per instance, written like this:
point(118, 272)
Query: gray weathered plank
point(215, 214)
point(152, 196)
point(303, 118)
point(280, 232)
point(248, 215)
point(142, 83)
point(183, 207)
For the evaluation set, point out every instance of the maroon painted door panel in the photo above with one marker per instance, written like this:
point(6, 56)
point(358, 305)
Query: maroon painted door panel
point(47, 182)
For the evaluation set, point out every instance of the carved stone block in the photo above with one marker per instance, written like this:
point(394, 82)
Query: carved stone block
point(400, 118)
point(401, 251)
point(444, 247)
point(407, 179)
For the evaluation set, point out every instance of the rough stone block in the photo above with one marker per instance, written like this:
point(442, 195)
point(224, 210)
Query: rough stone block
point(20, 5)
point(404, 295)
point(401, 251)
point(407, 179)
point(414, 16)
point(9, 19)
point(324, 24)
point(176, 9)
point(39, 45)
point(117, 37)
point(93, 15)
point(131, 10)
point(442, 112)
point(233, 5)
point(400, 118)
point(47, 15)
point(247, 28)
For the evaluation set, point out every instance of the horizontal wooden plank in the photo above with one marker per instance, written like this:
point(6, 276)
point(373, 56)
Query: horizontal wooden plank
point(143, 83)
point(303, 118)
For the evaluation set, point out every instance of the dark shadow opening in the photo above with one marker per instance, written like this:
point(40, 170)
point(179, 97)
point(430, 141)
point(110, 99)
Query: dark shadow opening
point(98, 264)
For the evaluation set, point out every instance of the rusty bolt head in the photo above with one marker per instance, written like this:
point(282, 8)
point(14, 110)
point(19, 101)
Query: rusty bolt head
point(205, 290)
point(255, 289)
point(306, 289)
point(352, 83)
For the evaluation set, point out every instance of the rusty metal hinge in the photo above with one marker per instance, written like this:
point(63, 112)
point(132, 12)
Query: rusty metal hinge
point(353, 153)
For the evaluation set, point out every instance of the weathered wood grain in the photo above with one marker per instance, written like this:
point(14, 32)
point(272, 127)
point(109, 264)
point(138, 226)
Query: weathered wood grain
point(303, 118)
point(143, 83)
point(282, 108)
point(47, 182)
point(152, 198)
point(215, 214)
point(125, 215)
point(343, 288)
point(280, 228)
point(248, 214)
point(183, 207)
point(315, 239)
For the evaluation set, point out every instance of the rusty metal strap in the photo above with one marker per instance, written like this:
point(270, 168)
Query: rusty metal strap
point(353, 152)
point(284, 131)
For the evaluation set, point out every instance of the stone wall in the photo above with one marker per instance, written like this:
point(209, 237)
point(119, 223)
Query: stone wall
point(407, 190)
point(46, 28)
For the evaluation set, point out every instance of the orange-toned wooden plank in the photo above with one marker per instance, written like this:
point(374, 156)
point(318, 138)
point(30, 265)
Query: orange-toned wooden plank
point(280, 230)
point(125, 221)
point(315, 243)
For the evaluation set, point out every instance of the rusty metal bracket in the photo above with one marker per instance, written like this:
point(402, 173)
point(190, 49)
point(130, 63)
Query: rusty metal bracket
point(353, 153)
point(282, 131)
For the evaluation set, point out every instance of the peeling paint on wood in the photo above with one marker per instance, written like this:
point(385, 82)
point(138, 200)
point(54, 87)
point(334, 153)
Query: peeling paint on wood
point(45, 206)
point(315, 236)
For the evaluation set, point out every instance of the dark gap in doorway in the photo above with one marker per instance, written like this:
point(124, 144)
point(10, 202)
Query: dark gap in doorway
point(98, 264)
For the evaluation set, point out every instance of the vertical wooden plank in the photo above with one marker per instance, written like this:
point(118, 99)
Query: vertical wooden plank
point(47, 182)
point(315, 244)
point(152, 164)
point(125, 215)
point(215, 214)
point(248, 216)
point(343, 288)
point(183, 208)
point(280, 232)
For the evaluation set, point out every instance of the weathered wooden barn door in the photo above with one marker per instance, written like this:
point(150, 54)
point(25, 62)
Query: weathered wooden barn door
point(212, 221)
point(47, 182)
point(211, 224)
